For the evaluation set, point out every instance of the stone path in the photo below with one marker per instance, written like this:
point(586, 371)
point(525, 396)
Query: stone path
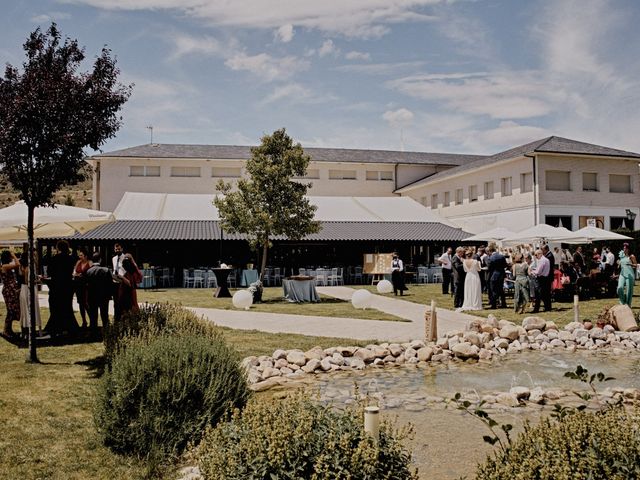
point(354, 328)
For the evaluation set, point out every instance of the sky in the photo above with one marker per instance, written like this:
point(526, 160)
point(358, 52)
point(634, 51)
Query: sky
point(458, 76)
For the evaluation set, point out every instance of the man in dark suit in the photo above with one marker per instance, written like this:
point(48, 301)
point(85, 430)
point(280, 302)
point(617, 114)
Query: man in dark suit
point(99, 290)
point(496, 263)
point(481, 257)
point(458, 277)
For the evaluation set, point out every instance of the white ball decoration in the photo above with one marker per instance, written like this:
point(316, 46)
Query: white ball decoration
point(242, 299)
point(384, 286)
point(361, 299)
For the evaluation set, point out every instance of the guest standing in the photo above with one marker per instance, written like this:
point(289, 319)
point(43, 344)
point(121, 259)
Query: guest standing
point(496, 263)
point(127, 295)
point(458, 277)
point(551, 276)
point(25, 301)
point(628, 265)
point(60, 271)
point(99, 292)
point(397, 274)
point(542, 276)
point(80, 283)
point(472, 284)
point(447, 277)
point(520, 271)
point(10, 290)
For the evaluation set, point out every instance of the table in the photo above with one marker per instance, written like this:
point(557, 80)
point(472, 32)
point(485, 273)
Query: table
point(221, 279)
point(248, 277)
point(300, 290)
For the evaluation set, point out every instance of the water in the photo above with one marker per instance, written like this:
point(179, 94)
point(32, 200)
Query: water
point(530, 369)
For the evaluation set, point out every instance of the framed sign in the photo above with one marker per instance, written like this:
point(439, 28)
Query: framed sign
point(377, 263)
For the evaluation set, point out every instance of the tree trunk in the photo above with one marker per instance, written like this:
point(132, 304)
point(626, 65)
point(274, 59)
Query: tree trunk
point(263, 264)
point(33, 356)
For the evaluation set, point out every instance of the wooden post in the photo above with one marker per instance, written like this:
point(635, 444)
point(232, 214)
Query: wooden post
point(576, 308)
point(372, 423)
point(431, 323)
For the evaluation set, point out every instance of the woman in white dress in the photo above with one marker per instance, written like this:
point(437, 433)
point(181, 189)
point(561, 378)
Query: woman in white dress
point(472, 285)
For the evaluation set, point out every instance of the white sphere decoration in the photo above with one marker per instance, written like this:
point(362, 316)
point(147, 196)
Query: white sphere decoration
point(384, 286)
point(242, 299)
point(361, 299)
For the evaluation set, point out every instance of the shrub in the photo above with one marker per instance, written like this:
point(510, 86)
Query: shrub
point(164, 389)
point(297, 438)
point(597, 446)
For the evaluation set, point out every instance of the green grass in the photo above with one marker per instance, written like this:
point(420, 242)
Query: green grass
point(272, 302)
point(561, 313)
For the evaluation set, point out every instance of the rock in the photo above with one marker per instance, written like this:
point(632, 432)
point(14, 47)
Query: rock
point(537, 395)
point(400, 360)
point(442, 342)
point(521, 393)
point(485, 354)
point(581, 332)
point(346, 351)
point(378, 362)
point(412, 361)
point(254, 376)
point(286, 371)
point(512, 349)
point(281, 363)
point(389, 359)
point(454, 333)
point(608, 329)
point(337, 359)
point(425, 354)
point(315, 352)
point(441, 357)
point(417, 344)
point(311, 365)
point(534, 323)
point(556, 342)
point(623, 318)
point(565, 335)
point(380, 352)
point(330, 350)
point(296, 357)
point(267, 384)
point(587, 325)
point(474, 325)
point(597, 334)
point(356, 363)
point(453, 341)
point(487, 328)
point(509, 332)
point(570, 327)
point(396, 349)
point(491, 320)
point(325, 363)
point(465, 350)
point(249, 362)
point(364, 354)
point(501, 343)
point(553, 394)
point(550, 325)
point(410, 353)
point(278, 354)
point(189, 473)
point(505, 323)
point(294, 367)
point(473, 338)
point(552, 334)
point(507, 399)
point(265, 364)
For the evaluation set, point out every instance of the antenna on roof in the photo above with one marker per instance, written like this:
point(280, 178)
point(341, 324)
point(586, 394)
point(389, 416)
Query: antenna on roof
point(150, 128)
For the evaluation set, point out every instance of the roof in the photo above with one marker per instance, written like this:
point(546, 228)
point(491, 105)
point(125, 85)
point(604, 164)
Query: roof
point(174, 206)
point(551, 144)
point(237, 152)
point(137, 230)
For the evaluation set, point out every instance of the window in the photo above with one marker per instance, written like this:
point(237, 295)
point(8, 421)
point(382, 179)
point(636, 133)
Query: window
point(342, 174)
point(473, 193)
point(226, 172)
point(434, 200)
point(505, 186)
point(620, 183)
point(459, 195)
point(312, 173)
point(617, 222)
point(488, 190)
point(144, 171)
point(379, 175)
point(589, 182)
point(558, 181)
point(447, 199)
point(526, 182)
point(185, 171)
point(565, 221)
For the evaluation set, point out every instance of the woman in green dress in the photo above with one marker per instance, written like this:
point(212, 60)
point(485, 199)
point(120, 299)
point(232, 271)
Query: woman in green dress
point(627, 277)
point(520, 272)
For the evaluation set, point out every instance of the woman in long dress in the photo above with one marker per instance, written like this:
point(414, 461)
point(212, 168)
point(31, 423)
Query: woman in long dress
point(520, 272)
point(10, 290)
point(25, 313)
point(472, 285)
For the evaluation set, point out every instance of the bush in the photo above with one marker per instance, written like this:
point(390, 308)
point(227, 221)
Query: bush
point(296, 438)
point(601, 445)
point(165, 388)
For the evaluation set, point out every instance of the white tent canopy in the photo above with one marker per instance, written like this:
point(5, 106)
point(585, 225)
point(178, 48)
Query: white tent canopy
point(594, 234)
point(61, 221)
point(539, 232)
point(493, 235)
point(171, 206)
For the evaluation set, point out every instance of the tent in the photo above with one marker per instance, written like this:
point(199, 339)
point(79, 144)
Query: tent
point(540, 232)
point(57, 221)
point(493, 235)
point(594, 234)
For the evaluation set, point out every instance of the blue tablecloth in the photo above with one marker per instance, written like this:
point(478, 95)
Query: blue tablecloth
point(148, 278)
point(300, 290)
point(248, 277)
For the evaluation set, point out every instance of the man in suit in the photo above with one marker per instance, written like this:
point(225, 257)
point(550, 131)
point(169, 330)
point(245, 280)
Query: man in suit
point(541, 272)
point(117, 259)
point(447, 278)
point(481, 257)
point(99, 291)
point(458, 277)
point(496, 263)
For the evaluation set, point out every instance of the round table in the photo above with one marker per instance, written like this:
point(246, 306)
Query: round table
point(221, 279)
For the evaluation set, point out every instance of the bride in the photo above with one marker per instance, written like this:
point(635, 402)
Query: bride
point(472, 285)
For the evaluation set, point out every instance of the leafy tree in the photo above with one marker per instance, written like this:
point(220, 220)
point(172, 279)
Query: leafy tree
point(269, 202)
point(49, 113)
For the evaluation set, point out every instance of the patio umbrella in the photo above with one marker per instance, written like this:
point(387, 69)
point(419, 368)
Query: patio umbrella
point(493, 235)
point(61, 221)
point(539, 232)
point(594, 234)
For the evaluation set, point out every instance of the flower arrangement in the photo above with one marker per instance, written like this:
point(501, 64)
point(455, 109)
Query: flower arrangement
point(256, 290)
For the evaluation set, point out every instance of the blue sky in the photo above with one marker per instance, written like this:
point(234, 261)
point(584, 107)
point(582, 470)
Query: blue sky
point(423, 75)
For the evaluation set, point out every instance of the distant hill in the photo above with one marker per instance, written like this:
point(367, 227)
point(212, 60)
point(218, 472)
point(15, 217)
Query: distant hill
point(77, 195)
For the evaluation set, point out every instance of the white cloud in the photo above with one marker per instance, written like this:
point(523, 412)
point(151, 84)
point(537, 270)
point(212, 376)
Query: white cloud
point(380, 68)
point(50, 17)
point(295, 93)
point(285, 33)
point(354, 55)
point(327, 47)
point(188, 45)
point(398, 118)
point(267, 67)
point(354, 18)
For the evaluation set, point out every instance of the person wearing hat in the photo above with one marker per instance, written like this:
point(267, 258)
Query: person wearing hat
point(628, 265)
point(397, 274)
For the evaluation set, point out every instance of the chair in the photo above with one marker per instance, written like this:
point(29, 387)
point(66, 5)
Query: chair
point(267, 278)
point(187, 278)
point(302, 272)
point(210, 280)
point(198, 278)
point(437, 278)
point(277, 278)
point(231, 279)
point(340, 278)
point(423, 275)
point(357, 276)
point(321, 276)
point(332, 279)
point(165, 277)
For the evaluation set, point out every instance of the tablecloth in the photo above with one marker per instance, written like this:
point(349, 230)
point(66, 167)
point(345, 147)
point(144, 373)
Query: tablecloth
point(248, 277)
point(300, 290)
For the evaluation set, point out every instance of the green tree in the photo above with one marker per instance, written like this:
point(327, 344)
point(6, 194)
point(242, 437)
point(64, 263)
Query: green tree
point(269, 202)
point(49, 113)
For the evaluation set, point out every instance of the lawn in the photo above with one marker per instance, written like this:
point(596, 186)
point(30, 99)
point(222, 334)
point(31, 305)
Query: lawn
point(272, 302)
point(46, 410)
point(561, 313)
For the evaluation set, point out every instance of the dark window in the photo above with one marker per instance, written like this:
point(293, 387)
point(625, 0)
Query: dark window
point(621, 222)
point(559, 221)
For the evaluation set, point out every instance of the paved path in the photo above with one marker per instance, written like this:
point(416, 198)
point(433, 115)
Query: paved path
point(354, 328)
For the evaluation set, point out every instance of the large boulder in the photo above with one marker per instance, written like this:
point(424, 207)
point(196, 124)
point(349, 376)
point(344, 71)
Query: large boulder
point(296, 357)
point(534, 323)
point(425, 354)
point(622, 317)
point(465, 350)
point(365, 355)
point(315, 352)
point(510, 332)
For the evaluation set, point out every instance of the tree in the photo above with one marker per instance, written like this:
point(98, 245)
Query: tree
point(269, 202)
point(49, 113)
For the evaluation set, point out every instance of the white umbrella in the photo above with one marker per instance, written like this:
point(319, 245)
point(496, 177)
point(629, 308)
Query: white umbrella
point(539, 232)
point(61, 221)
point(493, 235)
point(594, 234)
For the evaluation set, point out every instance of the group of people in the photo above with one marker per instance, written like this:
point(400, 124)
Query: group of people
point(533, 273)
point(94, 286)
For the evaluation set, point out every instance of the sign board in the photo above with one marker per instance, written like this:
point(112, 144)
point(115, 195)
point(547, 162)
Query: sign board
point(377, 263)
point(591, 222)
